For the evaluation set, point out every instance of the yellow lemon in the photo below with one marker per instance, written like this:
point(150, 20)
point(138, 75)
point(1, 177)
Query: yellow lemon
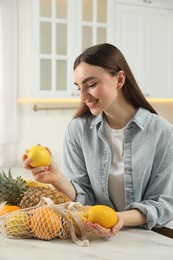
point(39, 156)
point(17, 224)
point(103, 215)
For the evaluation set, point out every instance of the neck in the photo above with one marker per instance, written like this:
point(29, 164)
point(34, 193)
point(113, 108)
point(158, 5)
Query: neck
point(120, 114)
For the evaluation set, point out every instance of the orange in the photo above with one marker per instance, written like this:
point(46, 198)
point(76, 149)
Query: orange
point(7, 208)
point(39, 156)
point(103, 215)
point(45, 223)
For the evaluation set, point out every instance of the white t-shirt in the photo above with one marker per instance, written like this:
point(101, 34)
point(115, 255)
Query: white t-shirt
point(116, 188)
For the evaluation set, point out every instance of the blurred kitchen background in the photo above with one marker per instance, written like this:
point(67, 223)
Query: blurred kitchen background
point(39, 40)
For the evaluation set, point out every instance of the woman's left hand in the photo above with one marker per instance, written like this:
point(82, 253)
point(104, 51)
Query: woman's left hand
point(102, 231)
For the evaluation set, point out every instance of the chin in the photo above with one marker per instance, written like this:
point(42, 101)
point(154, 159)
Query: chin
point(95, 112)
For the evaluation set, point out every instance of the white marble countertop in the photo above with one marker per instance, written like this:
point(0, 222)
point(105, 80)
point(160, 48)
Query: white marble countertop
point(128, 244)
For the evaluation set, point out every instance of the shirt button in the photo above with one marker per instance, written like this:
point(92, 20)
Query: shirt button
point(127, 141)
point(128, 169)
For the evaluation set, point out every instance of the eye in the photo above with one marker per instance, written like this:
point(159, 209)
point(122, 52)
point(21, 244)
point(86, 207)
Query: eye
point(92, 85)
point(78, 89)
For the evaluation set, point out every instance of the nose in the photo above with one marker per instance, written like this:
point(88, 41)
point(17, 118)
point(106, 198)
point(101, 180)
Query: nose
point(84, 94)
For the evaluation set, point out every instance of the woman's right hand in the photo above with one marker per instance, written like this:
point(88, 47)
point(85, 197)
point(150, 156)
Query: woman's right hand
point(51, 175)
point(44, 174)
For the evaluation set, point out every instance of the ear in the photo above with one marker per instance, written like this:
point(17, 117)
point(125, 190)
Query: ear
point(121, 79)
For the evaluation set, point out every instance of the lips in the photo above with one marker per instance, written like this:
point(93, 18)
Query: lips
point(91, 104)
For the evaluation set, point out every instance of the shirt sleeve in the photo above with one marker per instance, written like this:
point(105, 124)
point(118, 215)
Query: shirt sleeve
point(74, 168)
point(157, 203)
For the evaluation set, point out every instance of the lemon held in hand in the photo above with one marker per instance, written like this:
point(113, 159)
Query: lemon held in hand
point(39, 156)
point(102, 215)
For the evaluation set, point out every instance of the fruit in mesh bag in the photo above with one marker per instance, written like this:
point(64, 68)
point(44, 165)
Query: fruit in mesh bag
point(78, 221)
point(17, 192)
point(45, 223)
point(103, 215)
point(17, 224)
point(39, 156)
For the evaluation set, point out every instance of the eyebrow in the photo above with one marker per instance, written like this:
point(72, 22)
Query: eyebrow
point(86, 80)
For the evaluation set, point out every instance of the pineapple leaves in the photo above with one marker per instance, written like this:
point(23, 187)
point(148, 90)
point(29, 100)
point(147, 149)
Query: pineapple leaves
point(11, 189)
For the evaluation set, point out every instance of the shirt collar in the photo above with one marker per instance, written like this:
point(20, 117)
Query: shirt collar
point(141, 117)
point(96, 120)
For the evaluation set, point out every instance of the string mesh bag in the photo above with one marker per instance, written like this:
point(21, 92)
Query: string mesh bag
point(47, 221)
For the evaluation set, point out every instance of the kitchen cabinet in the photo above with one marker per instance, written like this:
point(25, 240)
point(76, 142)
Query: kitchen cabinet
point(61, 31)
point(143, 31)
point(52, 33)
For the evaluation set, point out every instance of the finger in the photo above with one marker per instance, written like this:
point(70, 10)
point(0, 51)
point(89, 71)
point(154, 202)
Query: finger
point(40, 170)
point(49, 150)
point(118, 226)
point(98, 230)
point(26, 163)
point(101, 230)
point(24, 157)
point(41, 177)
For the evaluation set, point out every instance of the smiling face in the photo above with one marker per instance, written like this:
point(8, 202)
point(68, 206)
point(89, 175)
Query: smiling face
point(97, 88)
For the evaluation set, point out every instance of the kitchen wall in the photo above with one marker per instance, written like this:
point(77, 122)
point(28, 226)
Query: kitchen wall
point(165, 109)
point(45, 127)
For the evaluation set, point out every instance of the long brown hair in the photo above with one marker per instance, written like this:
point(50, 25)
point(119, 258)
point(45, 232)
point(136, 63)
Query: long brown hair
point(111, 59)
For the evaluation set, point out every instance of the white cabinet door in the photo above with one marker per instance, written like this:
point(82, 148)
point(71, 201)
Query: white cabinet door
point(153, 3)
point(144, 33)
point(61, 31)
point(159, 55)
point(129, 32)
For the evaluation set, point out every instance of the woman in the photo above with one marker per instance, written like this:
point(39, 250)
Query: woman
point(117, 150)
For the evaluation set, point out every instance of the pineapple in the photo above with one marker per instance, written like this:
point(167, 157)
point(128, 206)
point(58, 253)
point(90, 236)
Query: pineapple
point(34, 194)
point(17, 192)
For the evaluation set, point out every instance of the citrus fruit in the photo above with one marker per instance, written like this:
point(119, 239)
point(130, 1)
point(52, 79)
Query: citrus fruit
point(17, 224)
point(45, 223)
point(39, 156)
point(81, 219)
point(102, 215)
point(7, 208)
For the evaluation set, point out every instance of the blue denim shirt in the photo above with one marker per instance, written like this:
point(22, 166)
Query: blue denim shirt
point(148, 164)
